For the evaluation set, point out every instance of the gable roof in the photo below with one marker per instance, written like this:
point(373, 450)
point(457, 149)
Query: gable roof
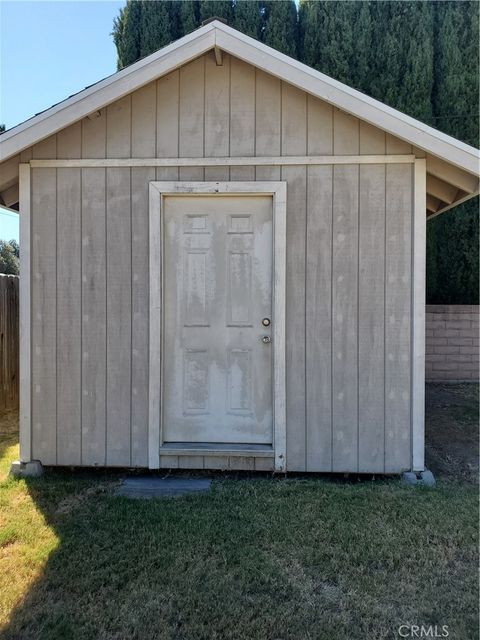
point(448, 160)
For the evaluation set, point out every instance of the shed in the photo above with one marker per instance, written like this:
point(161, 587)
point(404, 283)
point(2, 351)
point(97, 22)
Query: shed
point(223, 266)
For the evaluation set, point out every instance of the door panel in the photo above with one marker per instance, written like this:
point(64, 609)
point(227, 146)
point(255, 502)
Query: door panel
point(217, 372)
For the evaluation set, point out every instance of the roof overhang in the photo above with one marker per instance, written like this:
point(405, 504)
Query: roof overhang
point(452, 166)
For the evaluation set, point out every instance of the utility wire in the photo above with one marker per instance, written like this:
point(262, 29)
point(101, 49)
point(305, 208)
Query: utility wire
point(466, 115)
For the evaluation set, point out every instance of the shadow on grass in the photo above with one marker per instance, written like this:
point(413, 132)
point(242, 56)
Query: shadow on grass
point(253, 558)
point(451, 430)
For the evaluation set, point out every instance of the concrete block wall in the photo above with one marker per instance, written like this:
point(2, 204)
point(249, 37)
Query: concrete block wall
point(451, 344)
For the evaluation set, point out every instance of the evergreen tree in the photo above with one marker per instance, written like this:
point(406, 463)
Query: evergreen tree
point(189, 16)
point(452, 257)
point(249, 18)
point(127, 33)
point(402, 56)
point(453, 237)
point(456, 80)
point(386, 55)
point(327, 29)
point(417, 76)
point(218, 9)
point(362, 42)
point(156, 25)
point(281, 26)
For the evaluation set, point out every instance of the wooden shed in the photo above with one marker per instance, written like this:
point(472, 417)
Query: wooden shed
point(223, 266)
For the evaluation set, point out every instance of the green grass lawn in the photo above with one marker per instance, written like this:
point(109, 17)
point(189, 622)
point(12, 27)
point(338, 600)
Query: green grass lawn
point(254, 558)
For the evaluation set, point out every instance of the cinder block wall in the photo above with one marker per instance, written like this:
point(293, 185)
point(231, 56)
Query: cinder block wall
point(452, 343)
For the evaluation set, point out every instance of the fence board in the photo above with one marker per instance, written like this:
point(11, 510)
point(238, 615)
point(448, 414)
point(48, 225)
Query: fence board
point(9, 342)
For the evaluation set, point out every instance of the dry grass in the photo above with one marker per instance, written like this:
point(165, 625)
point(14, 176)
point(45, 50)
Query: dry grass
point(254, 558)
point(26, 540)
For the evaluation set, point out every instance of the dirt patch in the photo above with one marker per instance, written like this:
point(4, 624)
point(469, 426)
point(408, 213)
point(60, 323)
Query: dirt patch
point(67, 505)
point(451, 430)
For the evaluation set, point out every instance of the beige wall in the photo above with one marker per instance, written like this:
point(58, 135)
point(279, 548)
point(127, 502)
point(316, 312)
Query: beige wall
point(451, 344)
point(349, 280)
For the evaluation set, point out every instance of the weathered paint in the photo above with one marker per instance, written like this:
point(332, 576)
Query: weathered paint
point(218, 275)
point(349, 279)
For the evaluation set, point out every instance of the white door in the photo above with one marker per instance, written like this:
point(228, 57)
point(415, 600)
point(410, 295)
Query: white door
point(217, 362)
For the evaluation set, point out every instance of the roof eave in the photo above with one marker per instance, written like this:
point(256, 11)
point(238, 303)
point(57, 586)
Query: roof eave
point(348, 99)
point(452, 205)
point(106, 91)
point(217, 34)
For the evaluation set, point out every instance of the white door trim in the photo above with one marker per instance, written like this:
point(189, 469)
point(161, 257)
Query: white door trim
point(157, 192)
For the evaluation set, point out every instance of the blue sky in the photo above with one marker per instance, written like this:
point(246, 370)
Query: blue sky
point(49, 50)
point(8, 225)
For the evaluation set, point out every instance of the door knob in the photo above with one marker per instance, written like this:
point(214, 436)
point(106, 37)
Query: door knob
point(266, 339)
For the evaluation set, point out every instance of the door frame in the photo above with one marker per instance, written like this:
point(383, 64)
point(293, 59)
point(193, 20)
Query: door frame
point(158, 190)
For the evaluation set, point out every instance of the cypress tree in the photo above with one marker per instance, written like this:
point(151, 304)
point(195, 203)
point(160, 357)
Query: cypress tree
point(127, 33)
point(417, 84)
point(328, 33)
point(216, 8)
point(402, 58)
point(281, 26)
point(386, 61)
point(249, 18)
point(362, 45)
point(453, 237)
point(189, 16)
point(337, 40)
point(118, 35)
point(452, 256)
point(155, 25)
point(456, 81)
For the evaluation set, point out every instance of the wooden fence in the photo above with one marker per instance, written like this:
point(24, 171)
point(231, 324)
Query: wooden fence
point(9, 342)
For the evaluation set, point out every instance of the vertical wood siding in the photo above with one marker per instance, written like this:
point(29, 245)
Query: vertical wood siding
point(69, 301)
point(349, 277)
point(44, 307)
point(294, 143)
point(144, 145)
point(93, 295)
point(318, 288)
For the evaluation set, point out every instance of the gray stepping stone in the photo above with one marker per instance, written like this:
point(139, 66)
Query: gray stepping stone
point(151, 487)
